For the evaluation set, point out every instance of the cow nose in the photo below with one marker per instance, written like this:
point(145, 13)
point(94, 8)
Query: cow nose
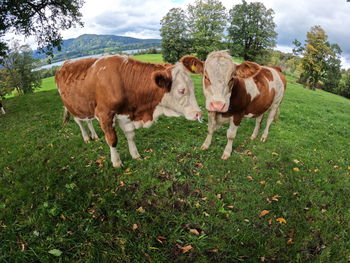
point(217, 106)
point(199, 116)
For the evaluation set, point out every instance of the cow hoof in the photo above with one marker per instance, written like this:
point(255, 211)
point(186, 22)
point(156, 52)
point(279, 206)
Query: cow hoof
point(96, 138)
point(136, 157)
point(204, 147)
point(87, 140)
point(252, 137)
point(225, 156)
point(263, 139)
point(118, 165)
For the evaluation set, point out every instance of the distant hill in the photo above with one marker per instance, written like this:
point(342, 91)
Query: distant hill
point(90, 44)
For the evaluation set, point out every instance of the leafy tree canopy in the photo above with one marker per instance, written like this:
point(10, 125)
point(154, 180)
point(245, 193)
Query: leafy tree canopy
point(40, 18)
point(321, 59)
point(251, 30)
point(174, 33)
point(18, 71)
point(207, 21)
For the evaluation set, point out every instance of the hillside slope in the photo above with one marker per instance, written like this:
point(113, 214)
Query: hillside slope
point(90, 44)
point(285, 200)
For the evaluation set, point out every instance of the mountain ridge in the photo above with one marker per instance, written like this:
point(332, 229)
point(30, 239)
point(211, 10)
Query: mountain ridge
point(92, 44)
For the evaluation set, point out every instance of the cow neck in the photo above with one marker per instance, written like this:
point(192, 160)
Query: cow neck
point(142, 93)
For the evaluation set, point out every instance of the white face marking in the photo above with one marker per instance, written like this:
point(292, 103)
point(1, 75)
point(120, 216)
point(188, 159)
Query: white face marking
point(218, 69)
point(181, 100)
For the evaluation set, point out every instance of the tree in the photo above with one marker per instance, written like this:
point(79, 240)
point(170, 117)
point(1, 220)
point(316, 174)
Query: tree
point(344, 88)
point(332, 69)
point(251, 31)
point(18, 71)
point(41, 18)
point(175, 41)
point(206, 24)
point(319, 58)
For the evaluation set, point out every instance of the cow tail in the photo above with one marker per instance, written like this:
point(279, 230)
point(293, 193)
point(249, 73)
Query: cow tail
point(66, 116)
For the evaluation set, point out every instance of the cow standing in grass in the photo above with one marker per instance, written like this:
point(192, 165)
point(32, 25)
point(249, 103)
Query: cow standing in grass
point(235, 91)
point(133, 93)
point(2, 108)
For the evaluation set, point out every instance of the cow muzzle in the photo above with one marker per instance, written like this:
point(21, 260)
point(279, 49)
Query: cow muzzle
point(218, 106)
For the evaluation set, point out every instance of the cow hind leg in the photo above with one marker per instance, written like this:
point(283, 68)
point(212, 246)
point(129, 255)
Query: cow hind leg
point(82, 128)
point(111, 138)
point(257, 126)
point(270, 119)
point(212, 126)
point(3, 110)
point(94, 135)
point(231, 134)
point(128, 129)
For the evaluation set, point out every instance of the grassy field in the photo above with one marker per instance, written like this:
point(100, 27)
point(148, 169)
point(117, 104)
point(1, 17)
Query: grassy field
point(286, 200)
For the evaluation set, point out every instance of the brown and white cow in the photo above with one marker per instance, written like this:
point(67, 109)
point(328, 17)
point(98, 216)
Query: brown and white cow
point(234, 91)
point(130, 92)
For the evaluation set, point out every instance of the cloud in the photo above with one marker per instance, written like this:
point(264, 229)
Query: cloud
point(141, 18)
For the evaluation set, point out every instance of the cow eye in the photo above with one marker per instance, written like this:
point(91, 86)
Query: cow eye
point(182, 91)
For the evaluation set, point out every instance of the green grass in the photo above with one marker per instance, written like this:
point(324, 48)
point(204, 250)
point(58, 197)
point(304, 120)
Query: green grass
point(54, 195)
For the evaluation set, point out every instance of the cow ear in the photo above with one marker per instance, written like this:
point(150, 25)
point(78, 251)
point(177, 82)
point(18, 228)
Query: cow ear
point(163, 79)
point(246, 70)
point(193, 64)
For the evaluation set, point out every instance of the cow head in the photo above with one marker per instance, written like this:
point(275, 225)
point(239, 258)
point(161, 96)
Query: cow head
point(179, 100)
point(219, 72)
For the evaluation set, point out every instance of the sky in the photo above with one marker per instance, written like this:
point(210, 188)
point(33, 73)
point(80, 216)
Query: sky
point(141, 19)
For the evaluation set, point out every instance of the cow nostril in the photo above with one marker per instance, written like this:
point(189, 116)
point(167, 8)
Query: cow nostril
point(223, 106)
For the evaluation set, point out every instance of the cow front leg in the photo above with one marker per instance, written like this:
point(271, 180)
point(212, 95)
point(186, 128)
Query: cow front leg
point(111, 138)
point(270, 119)
point(257, 126)
point(82, 129)
point(231, 134)
point(128, 129)
point(94, 135)
point(212, 126)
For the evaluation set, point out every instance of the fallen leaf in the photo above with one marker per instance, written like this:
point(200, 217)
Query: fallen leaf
point(128, 171)
point(214, 250)
point(206, 214)
point(199, 165)
point(290, 241)
point(161, 239)
point(140, 209)
point(278, 182)
point(185, 249)
point(316, 170)
point(274, 154)
point(194, 231)
point(296, 169)
point(250, 178)
point(281, 220)
point(218, 196)
point(262, 182)
point(230, 206)
point(249, 153)
point(100, 161)
point(275, 197)
point(270, 221)
point(264, 213)
point(55, 252)
point(348, 167)
point(335, 166)
point(135, 226)
point(296, 161)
